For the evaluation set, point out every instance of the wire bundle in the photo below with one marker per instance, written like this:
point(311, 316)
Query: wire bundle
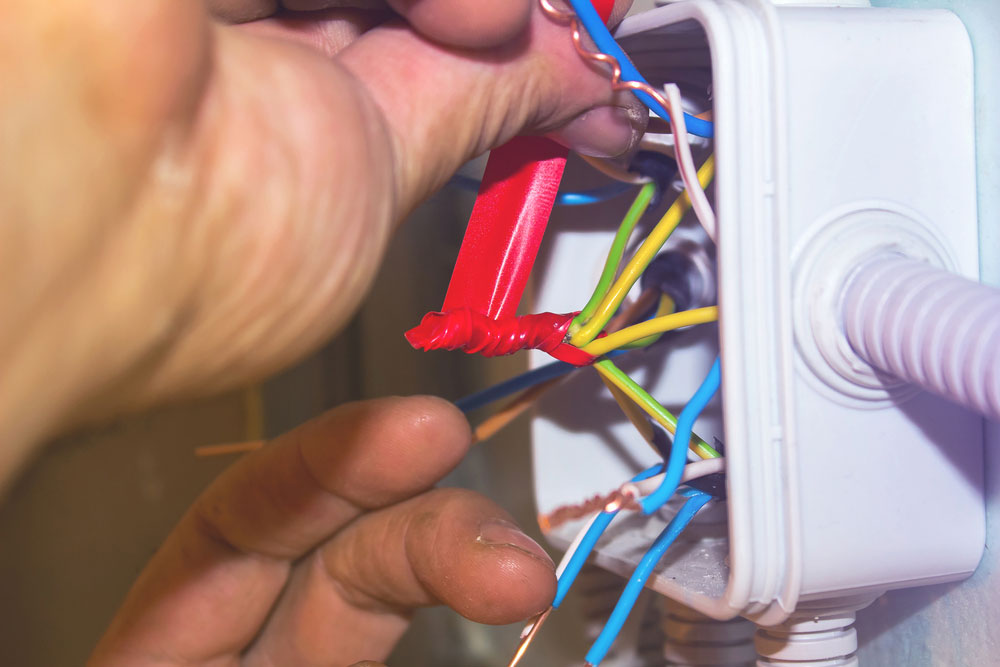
point(651, 489)
point(590, 337)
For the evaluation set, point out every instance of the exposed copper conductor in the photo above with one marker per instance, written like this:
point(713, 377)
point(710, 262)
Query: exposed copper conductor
point(623, 498)
point(598, 57)
point(527, 635)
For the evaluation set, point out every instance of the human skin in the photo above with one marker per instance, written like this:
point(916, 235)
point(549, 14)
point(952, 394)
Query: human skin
point(195, 195)
point(193, 204)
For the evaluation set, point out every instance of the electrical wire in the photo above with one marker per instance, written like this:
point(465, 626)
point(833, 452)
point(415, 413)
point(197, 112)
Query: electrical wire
point(525, 380)
point(642, 572)
point(657, 325)
point(692, 471)
point(624, 497)
point(631, 312)
point(682, 436)
point(499, 420)
point(665, 306)
point(643, 256)
point(686, 167)
point(598, 32)
point(554, 369)
point(669, 100)
point(585, 544)
point(582, 198)
point(612, 169)
point(651, 406)
point(633, 412)
point(527, 635)
point(614, 259)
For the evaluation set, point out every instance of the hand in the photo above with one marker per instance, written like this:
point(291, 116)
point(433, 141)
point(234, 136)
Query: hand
point(186, 205)
point(315, 549)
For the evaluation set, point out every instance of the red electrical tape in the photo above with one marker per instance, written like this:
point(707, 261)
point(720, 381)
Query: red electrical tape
point(498, 251)
point(465, 329)
point(508, 221)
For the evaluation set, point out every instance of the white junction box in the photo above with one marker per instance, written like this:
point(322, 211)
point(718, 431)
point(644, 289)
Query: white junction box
point(838, 132)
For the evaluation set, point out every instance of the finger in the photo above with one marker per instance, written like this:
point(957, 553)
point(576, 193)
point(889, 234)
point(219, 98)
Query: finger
point(328, 31)
point(241, 11)
point(302, 165)
point(210, 587)
point(443, 106)
point(475, 25)
point(447, 546)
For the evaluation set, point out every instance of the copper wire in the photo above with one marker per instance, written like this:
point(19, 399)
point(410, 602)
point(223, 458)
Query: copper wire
point(688, 172)
point(496, 422)
point(600, 57)
point(632, 311)
point(527, 635)
point(228, 448)
point(622, 498)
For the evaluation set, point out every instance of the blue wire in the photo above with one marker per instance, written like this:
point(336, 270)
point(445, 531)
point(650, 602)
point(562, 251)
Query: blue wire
point(594, 196)
point(609, 633)
point(682, 438)
point(582, 198)
point(598, 32)
point(519, 383)
point(588, 542)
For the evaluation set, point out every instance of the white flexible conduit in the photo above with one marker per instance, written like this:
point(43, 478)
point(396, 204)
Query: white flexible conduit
point(929, 327)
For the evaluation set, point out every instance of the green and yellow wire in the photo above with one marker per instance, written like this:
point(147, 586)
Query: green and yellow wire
point(611, 265)
point(608, 297)
point(613, 297)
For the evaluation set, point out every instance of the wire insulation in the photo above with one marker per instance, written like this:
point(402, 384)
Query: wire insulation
point(594, 529)
point(651, 406)
point(599, 650)
point(598, 32)
point(625, 497)
point(665, 306)
point(657, 325)
point(581, 198)
point(614, 259)
point(682, 437)
point(643, 256)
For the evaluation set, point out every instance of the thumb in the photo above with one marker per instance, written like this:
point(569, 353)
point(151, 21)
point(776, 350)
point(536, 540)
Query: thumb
point(442, 106)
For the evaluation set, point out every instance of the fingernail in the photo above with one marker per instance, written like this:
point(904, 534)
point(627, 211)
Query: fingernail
point(602, 131)
point(505, 534)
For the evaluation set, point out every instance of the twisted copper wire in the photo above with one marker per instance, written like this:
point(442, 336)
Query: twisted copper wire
point(601, 57)
point(622, 498)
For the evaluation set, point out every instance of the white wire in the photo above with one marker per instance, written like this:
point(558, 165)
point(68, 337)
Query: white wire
point(574, 545)
point(691, 471)
point(694, 470)
point(613, 170)
point(685, 161)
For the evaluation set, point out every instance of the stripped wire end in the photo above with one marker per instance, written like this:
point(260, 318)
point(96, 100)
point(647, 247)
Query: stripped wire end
point(623, 498)
point(668, 100)
point(528, 635)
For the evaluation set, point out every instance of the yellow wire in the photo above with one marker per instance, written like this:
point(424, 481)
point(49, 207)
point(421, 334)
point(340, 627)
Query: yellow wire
point(632, 411)
point(643, 256)
point(665, 307)
point(698, 445)
point(657, 325)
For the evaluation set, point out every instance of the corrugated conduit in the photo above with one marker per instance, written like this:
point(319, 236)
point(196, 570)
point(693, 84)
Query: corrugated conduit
point(929, 327)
